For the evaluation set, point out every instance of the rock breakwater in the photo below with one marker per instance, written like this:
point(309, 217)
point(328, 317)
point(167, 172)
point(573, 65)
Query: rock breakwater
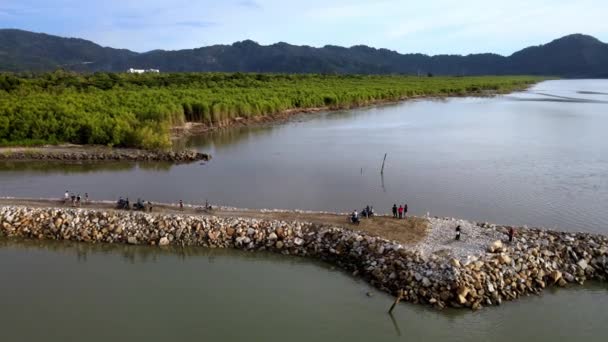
point(100, 154)
point(537, 259)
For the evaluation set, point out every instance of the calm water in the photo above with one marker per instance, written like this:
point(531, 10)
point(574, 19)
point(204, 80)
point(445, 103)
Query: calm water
point(537, 158)
point(62, 292)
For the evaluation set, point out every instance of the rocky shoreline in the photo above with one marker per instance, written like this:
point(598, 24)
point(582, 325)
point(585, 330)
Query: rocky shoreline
point(73, 153)
point(426, 274)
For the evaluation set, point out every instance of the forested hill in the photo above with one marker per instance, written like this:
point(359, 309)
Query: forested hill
point(571, 56)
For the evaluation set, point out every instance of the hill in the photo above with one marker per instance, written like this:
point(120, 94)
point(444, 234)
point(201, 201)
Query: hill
point(570, 56)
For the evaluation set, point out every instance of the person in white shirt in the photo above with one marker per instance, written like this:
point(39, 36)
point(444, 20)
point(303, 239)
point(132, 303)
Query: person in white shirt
point(66, 197)
point(355, 217)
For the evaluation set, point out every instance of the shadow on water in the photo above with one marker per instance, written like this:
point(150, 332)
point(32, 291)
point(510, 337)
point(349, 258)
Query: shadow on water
point(591, 92)
point(395, 324)
point(556, 98)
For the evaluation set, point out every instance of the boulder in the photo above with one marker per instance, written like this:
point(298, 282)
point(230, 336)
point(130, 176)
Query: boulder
point(281, 232)
point(132, 240)
point(582, 264)
point(504, 259)
point(163, 241)
point(462, 293)
point(555, 276)
point(495, 247)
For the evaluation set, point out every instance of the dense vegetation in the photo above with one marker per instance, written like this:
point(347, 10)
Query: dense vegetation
point(571, 56)
point(139, 110)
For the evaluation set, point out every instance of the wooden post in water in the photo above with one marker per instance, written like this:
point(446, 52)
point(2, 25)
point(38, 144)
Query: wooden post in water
point(382, 170)
point(397, 300)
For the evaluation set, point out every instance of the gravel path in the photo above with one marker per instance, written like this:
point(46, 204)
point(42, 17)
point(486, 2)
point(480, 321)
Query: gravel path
point(474, 240)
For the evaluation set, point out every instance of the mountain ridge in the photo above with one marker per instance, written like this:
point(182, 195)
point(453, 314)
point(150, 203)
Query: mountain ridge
point(575, 55)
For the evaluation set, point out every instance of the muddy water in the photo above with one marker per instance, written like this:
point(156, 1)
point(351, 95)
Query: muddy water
point(63, 292)
point(538, 158)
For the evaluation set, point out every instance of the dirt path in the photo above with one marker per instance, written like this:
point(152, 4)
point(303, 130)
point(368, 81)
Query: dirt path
point(409, 231)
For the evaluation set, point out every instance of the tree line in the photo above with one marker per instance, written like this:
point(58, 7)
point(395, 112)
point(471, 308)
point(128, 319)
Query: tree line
point(133, 110)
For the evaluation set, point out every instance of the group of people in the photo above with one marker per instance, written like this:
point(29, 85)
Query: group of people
point(75, 200)
point(400, 212)
point(139, 205)
point(367, 212)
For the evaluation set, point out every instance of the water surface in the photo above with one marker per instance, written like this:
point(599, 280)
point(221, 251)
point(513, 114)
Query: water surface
point(538, 157)
point(63, 292)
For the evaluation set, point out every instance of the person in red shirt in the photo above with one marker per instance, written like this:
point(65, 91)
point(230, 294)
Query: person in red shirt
point(400, 211)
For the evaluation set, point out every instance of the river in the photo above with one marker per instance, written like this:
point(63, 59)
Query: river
point(63, 291)
point(538, 157)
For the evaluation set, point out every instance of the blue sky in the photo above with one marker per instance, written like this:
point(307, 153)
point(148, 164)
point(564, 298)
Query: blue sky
point(427, 26)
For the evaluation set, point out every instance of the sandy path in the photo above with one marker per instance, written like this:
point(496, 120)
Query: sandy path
point(410, 231)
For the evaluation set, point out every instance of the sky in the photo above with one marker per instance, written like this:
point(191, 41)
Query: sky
point(425, 26)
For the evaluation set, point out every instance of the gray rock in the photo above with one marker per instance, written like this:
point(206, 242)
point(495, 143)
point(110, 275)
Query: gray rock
point(426, 282)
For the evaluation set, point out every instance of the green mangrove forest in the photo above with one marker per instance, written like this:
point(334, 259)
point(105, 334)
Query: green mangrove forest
point(138, 110)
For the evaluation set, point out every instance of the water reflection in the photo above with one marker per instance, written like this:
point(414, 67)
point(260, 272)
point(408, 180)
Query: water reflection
point(150, 254)
point(48, 167)
point(224, 137)
point(193, 294)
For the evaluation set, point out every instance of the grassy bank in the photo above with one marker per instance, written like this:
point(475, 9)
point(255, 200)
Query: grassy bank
point(139, 110)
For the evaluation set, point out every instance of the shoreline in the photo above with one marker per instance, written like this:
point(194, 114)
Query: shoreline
point(196, 128)
point(96, 153)
point(66, 152)
point(482, 269)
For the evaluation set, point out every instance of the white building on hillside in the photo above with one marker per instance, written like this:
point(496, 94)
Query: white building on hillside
point(141, 71)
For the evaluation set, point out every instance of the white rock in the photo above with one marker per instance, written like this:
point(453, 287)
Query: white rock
point(582, 264)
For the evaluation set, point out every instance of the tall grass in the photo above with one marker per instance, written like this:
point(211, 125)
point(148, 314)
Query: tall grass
point(139, 110)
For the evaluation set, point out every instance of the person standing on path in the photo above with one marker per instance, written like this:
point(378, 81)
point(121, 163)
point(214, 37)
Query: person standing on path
point(66, 197)
point(355, 217)
point(78, 200)
point(86, 197)
point(181, 205)
point(405, 210)
point(394, 210)
point(457, 233)
point(400, 212)
point(511, 234)
point(73, 200)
